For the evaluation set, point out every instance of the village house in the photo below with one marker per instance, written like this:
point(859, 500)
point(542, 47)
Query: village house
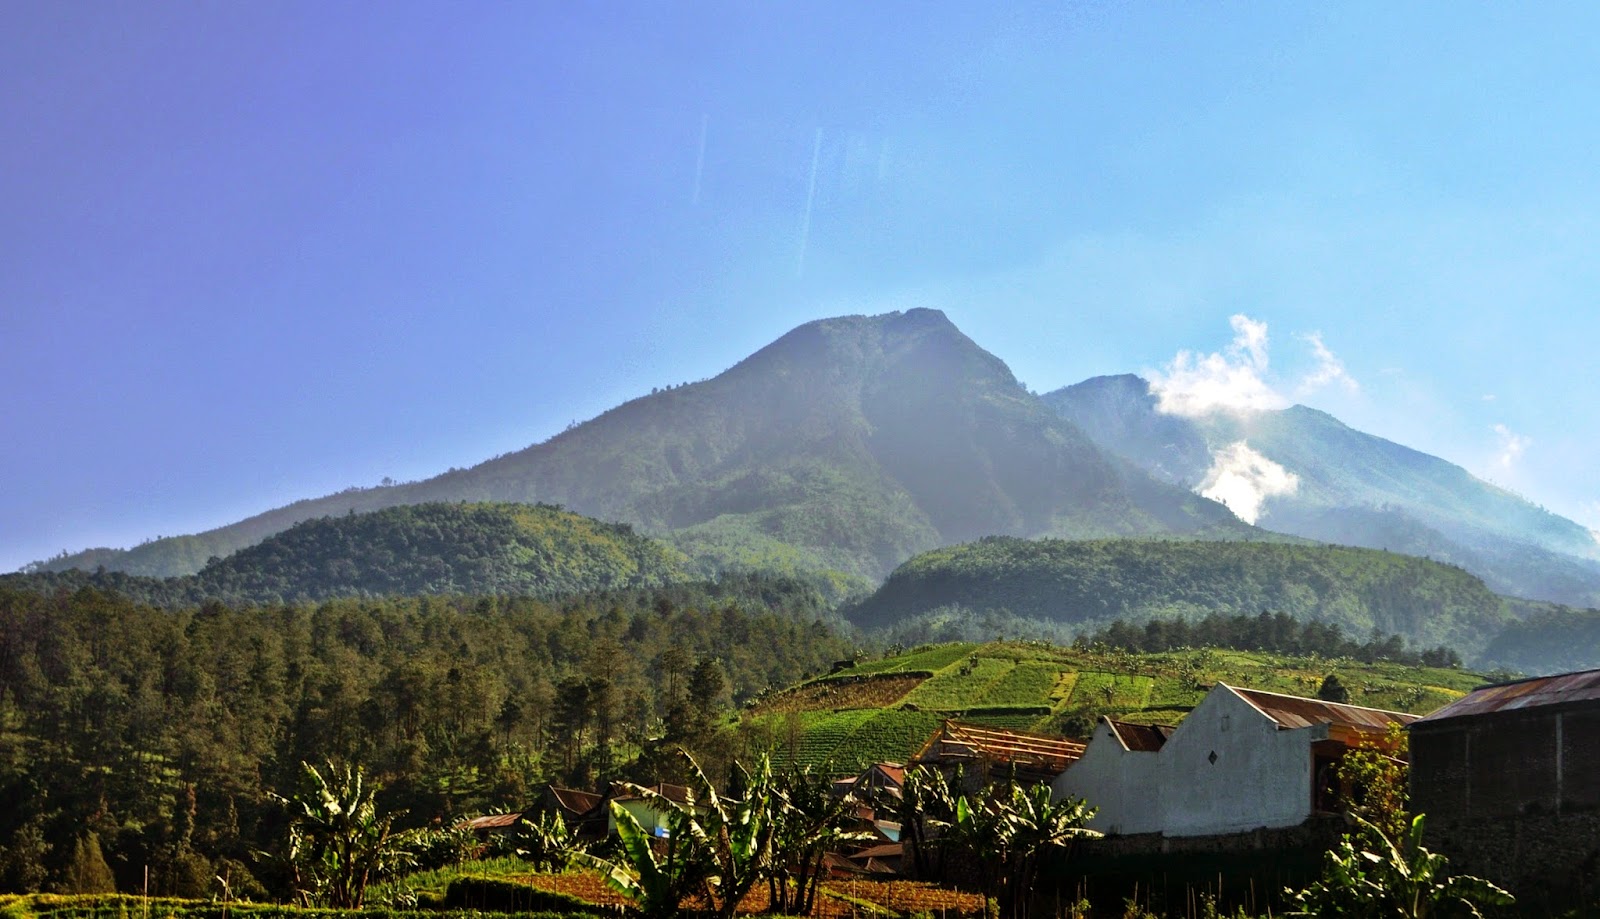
point(652, 817)
point(1243, 759)
point(1506, 778)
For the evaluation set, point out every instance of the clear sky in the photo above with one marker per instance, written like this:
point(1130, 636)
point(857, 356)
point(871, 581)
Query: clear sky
point(258, 251)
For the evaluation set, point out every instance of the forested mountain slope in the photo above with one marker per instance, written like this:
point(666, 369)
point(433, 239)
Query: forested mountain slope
point(848, 444)
point(1091, 583)
point(1352, 488)
point(472, 549)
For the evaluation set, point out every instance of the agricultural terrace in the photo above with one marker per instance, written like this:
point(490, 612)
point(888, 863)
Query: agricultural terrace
point(883, 710)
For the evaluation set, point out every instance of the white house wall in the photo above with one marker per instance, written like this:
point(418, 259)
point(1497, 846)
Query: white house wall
point(1260, 777)
point(1119, 783)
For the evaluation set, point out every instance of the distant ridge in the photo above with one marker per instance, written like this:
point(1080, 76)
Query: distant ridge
point(1353, 488)
point(848, 444)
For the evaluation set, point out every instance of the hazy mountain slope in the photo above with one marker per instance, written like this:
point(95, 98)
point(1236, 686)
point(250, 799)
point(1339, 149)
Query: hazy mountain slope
point(1099, 581)
point(848, 443)
point(1354, 488)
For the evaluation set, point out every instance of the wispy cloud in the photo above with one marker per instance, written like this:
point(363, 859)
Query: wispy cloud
point(1511, 447)
point(1329, 370)
point(1243, 479)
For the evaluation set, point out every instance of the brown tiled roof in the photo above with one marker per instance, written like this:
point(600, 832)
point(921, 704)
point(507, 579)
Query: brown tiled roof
point(1297, 712)
point(1582, 686)
point(895, 772)
point(1146, 738)
point(888, 850)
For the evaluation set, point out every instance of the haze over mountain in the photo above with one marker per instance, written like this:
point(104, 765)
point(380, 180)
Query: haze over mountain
point(1300, 471)
point(848, 444)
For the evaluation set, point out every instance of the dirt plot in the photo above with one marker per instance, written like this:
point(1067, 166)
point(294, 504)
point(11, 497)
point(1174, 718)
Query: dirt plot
point(839, 900)
point(859, 692)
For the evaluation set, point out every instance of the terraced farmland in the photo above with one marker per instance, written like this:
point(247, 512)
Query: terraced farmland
point(884, 710)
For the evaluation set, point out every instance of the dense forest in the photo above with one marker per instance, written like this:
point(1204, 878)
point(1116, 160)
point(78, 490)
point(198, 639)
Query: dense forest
point(479, 549)
point(1090, 584)
point(145, 737)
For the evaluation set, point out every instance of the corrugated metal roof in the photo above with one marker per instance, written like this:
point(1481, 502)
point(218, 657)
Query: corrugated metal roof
point(1145, 738)
point(1297, 712)
point(575, 801)
point(1582, 686)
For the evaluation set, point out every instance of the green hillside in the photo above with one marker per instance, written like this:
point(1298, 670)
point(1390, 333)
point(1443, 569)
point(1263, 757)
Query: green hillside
point(1083, 583)
point(848, 444)
point(845, 721)
point(471, 549)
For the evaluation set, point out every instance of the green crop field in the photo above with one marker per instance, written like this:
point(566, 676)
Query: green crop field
point(1034, 686)
point(960, 686)
point(1027, 684)
point(933, 658)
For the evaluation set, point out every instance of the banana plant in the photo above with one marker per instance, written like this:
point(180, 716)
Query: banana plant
point(338, 841)
point(656, 881)
point(809, 821)
point(1401, 879)
point(715, 844)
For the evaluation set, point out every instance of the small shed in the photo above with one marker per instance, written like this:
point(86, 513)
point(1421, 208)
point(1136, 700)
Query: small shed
point(1506, 777)
point(986, 754)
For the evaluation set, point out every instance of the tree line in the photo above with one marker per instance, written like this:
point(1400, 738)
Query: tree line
point(136, 737)
point(1267, 631)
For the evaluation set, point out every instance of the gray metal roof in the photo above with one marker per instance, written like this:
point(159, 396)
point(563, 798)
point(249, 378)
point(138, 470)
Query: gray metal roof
point(1583, 686)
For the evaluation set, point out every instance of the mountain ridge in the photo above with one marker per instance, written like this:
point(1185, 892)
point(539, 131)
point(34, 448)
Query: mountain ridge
point(1352, 487)
point(848, 443)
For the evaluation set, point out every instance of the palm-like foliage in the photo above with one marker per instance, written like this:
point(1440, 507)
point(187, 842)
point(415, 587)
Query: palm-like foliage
point(720, 845)
point(1400, 879)
point(657, 880)
point(546, 843)
point(809, 820)
point(925, 809)
point(1010, 830)
point(338, 841)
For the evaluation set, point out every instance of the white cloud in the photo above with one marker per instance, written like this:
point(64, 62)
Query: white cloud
point(1243, 479)
point(1236, 379)
point(1330, 370)
point(1231, 380)
point(1512, 446)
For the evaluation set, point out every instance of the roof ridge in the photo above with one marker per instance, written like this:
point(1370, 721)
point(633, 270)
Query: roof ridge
point(1283, 695)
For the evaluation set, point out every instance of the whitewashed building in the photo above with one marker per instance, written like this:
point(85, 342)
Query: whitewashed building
point(1242, 759)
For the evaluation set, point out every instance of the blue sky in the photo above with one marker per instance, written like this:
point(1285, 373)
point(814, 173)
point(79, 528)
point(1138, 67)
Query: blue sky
point(254, 252)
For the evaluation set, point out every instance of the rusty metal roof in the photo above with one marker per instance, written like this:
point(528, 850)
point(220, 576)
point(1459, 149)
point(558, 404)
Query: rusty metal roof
point(492, 821)
point(1583, 686)
point(957, 741)
point(1297, 712)
point(1146, 738)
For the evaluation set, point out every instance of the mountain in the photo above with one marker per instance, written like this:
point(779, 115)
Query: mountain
point(464, 549)
point(1350, 488)
point(848, 444)
point(1095, 582)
